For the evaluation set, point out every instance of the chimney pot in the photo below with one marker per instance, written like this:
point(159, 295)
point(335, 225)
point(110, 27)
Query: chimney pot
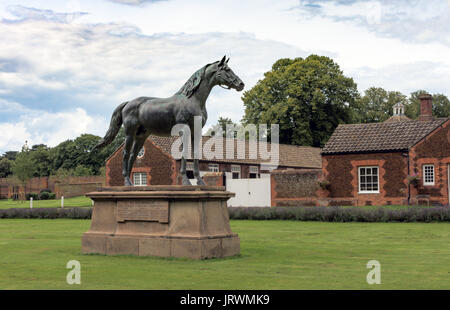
point(426, 110)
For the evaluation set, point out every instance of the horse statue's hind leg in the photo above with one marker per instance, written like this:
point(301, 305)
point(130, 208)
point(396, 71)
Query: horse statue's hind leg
point(138, 143)
point(129, 140)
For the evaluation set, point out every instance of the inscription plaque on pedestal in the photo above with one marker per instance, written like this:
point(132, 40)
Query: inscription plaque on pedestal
point(143, 210)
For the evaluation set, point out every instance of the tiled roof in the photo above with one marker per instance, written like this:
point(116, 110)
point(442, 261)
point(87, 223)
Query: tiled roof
point(289, 155)
point(397, 118)
point(375, 137)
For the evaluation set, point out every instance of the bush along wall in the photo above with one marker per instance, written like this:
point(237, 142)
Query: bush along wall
point(46, 213)
point(321, 214)
point(339, 214)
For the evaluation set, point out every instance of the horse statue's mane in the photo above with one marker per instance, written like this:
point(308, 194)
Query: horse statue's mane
point(192, 84)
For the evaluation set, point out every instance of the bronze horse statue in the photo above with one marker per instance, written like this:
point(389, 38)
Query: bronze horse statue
point(149, 115)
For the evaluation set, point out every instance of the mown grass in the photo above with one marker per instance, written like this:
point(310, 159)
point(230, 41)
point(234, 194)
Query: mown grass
point(274, 255)
point(80, 201)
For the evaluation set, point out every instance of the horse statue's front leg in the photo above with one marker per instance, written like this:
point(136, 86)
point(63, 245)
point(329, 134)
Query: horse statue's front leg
point(126, 170)
point(197, 173)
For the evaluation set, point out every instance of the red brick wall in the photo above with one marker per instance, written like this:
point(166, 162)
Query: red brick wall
point(294, 187)
point(434, 149)
point(214, 179)
point(69, 187)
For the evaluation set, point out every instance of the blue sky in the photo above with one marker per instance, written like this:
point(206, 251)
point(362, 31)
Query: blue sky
point(65, 65)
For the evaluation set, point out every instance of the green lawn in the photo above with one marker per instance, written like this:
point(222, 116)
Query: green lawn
point(80, 201)
point(274, 255)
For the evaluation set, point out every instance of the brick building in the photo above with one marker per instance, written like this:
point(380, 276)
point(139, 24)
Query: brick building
point(156, 166)
point(373, 163)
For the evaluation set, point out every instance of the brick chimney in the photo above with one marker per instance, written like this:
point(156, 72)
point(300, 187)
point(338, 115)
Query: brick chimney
point(426, 112)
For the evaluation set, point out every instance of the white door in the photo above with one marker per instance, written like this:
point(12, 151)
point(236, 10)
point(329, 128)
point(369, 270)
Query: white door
point(249, 192)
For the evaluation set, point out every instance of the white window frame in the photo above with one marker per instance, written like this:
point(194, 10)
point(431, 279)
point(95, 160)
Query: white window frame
point(253, 169)
point(236, 169)
point(359, 180)
point(213, 167)
point(138, 179)
point(426, 181)
point(189, 166)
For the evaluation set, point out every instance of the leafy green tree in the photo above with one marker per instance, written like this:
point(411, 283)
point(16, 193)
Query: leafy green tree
point(221, 126)
point(82, 171)
point(24, 166)
point(308, 98)
point(5, 167)
point(73, 153)
point(62, 156)
point(11, 155)
point(441, 105)
point(376, 105)
point(40, 154)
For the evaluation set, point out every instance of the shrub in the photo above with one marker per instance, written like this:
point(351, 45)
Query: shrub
point(48, 190)
point(34, 195)
point(51, 196)
point(44, 195)
point(46, 213)
point(323, 184)
point(340, 214)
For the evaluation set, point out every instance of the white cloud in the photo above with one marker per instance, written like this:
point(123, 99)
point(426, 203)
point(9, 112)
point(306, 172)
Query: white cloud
point(135, 2)
point(405, 78)
point(22, 13)
point(13, 136)
point(55, 64)
point(412, 21)
point(38, 127)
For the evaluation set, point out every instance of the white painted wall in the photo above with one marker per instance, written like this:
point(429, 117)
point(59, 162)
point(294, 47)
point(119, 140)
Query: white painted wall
point(249, 192)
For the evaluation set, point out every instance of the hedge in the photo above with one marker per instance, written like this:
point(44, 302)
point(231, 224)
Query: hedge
point(46, 213)
point(322, 214)
point(339, 214)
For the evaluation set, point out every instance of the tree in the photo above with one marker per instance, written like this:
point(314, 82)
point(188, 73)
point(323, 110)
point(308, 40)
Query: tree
point(82, 171)
point(70, 154)
point(11, 155)
point(441, 105)
point(24, 167)
point(308, 98)
point(376, 105)
point(40, 154)
point(221, 126)
point(5, 167)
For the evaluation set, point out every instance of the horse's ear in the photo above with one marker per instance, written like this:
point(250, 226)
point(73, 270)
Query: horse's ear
point(222, 61)
point(227, 60)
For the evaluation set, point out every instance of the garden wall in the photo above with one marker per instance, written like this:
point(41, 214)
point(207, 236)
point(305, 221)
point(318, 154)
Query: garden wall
point(294, 187)
point(68, 187)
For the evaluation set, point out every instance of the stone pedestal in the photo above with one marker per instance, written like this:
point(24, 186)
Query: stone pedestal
point(165, 221)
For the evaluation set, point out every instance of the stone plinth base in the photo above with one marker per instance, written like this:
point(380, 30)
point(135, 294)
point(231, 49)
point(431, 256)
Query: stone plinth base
point(165, 221)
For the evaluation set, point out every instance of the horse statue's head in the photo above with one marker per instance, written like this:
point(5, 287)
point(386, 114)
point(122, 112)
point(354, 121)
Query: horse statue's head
point(223, 75)
point(216, 73)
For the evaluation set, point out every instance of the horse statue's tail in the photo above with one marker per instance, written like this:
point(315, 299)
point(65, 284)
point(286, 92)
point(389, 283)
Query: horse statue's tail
point(114, 127)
